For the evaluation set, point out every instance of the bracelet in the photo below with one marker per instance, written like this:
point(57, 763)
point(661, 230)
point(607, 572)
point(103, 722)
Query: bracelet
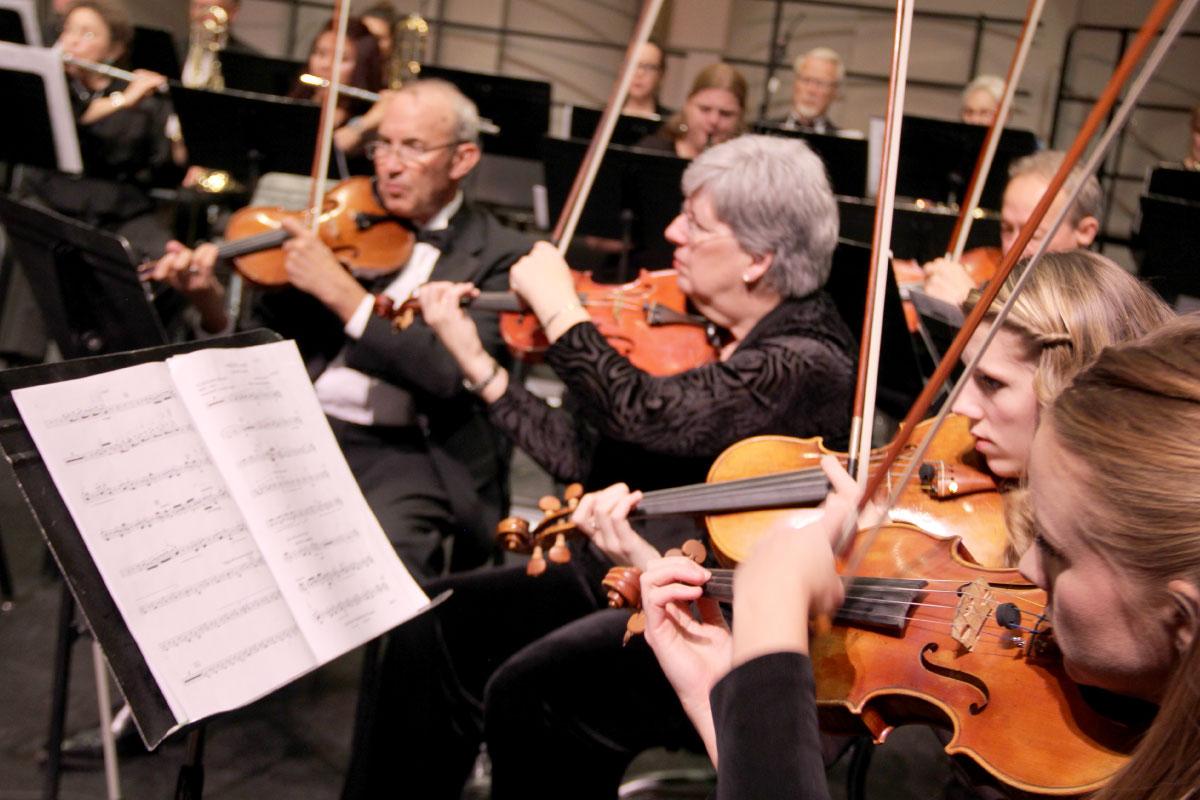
point(571, 306)
point(477, 387)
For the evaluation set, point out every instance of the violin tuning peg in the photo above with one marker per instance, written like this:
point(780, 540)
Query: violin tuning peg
point(695, 550)
point(537, 564)
point(636, 626)
point(512, 533)
point(572, 494)
point(559, 552)
point(549, 504)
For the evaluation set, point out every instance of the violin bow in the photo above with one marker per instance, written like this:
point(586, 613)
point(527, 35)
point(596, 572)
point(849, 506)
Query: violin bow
point(983, 165)
point(564, 229)
point(321, 154)
point(866, 385)
point(1104, 104)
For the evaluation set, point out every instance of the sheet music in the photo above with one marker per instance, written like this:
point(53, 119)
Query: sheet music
point(256, 408)
point(167, 538)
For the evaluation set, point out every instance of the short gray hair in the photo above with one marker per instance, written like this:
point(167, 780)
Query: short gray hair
point(992, 84)
point(466, 114)
point(1045, 163)
point(822, 54)
point(774, 195)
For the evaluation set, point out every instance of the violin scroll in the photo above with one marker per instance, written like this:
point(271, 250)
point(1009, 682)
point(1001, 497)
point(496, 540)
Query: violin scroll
point(515, 535)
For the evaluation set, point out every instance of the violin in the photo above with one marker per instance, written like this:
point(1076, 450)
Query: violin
point(352, 223)
point(969, 650)
point(645, 320)
point(765, 481)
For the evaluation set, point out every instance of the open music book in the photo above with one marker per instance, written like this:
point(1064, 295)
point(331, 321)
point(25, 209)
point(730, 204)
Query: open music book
point(224, 520)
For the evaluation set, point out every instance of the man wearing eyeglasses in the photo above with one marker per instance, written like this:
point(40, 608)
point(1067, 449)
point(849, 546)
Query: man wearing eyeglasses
point(413, 433)
point(819, 73)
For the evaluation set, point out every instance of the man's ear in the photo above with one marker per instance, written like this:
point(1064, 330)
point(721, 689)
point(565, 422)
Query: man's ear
point(466, 157)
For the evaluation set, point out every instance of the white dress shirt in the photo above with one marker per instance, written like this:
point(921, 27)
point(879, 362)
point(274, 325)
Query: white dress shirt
point(356, 397)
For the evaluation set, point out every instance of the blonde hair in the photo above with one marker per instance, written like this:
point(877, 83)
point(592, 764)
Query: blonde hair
point(1133, 421)
point(715, 76)
point(1073, 306)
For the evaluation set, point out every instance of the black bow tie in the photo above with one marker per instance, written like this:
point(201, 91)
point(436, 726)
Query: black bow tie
point(439, 238)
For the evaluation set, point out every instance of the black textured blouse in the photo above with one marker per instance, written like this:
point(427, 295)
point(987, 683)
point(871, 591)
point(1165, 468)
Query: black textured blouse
point(793, 374)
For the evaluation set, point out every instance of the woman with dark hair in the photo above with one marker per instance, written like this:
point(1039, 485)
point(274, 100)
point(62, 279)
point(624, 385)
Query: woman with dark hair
point(122, 132)
point(714, 112)
point(361, 66)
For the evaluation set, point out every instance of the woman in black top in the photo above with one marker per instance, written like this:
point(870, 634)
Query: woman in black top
point(714, 112)
point(507, 657)
point(122, 132)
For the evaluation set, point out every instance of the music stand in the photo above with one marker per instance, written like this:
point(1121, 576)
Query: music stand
point(84, 280)
point(1170, 180)
point(922, 234)
point(629, 129)
point(1169, 235)
point(937, 159)
point(519, 107)
point(247, 134)
point(845, 157)
point(154, 49)
point(35, 90)
point(251, 72)
point(900, 379)
point(18, 23)
point(636, 195)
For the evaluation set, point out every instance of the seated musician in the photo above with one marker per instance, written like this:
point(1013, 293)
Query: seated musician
point(642, 100)
point(422, 452)
point(536, 664)
point(981, 100)
point(200, 60)
point(1117, 549)
point(714, 112)
point(1028, 178)
point(818, 74)
point(361, 67)
point(380, 20)
point(122, 133)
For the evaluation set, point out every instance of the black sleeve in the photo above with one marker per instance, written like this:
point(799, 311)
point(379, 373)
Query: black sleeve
point(701, 411)
point(768, 745)
point(553, 437)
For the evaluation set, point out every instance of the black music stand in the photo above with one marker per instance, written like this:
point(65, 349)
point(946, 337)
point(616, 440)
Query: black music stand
point(84, 280)
point(154, 49)
point(519, 107)
point(900, 379)
point(629, 129)
point(18, 22)
point(1172, 180)
point(1169, 238)
point(845, 157)
point(35, 92)
point(251, 72)
point(937, 159)
point(922, 234)
point(247, 134)
point(636, 195)
point(83, 585)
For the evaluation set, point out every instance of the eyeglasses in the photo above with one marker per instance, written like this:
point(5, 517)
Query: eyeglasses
point(817, 83)
point(646, 66)
point(405, 152)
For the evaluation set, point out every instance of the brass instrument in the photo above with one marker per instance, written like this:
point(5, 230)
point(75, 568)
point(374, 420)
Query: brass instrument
point(411, 37)
point(202, 70)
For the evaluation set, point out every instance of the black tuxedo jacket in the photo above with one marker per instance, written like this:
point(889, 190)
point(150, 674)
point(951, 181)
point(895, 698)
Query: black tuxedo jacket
point(469, 455)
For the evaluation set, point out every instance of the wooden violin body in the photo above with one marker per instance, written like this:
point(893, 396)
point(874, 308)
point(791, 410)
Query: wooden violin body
point(359, 231)
point(955, 497)
point(645, 320)
point(939, 655)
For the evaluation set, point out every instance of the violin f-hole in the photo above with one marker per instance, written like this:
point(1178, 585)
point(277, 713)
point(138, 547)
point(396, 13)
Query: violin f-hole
point(957, 675)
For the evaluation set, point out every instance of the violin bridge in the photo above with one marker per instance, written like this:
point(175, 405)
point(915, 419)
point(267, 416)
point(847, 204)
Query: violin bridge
point(974, 606)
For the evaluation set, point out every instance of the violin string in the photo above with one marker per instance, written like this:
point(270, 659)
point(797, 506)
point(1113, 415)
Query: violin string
point(797, 479)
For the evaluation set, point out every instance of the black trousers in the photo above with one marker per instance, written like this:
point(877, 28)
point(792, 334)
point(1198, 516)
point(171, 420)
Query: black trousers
point(397, 476)
point(532, 666)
